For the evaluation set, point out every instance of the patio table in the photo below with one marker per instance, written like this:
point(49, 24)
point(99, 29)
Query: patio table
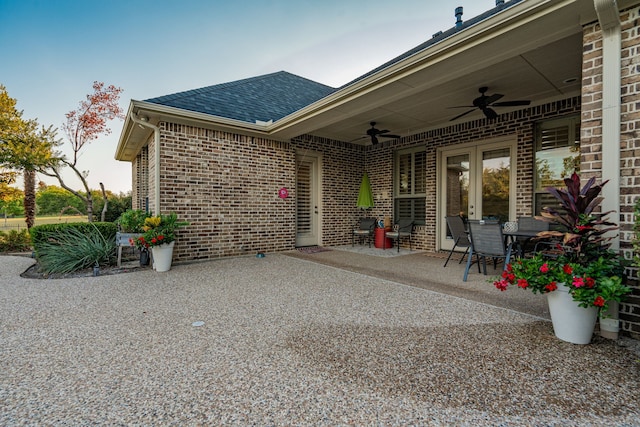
point(513, 235)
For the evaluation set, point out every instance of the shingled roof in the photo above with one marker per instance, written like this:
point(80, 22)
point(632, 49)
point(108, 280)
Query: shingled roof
point(263, 98)
point(274, 96)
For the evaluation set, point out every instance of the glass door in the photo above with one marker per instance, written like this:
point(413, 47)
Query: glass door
point(477, 182)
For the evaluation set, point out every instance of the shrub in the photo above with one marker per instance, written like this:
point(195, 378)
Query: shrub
point(42, 233)
point(71, 249)
point(15, 241)
point(132, 221)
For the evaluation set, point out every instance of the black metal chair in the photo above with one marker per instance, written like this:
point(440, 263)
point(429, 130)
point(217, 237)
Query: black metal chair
point(364, 230)
point(403, 229)
point(529, 223)
point(487, 241)
point(459, 236)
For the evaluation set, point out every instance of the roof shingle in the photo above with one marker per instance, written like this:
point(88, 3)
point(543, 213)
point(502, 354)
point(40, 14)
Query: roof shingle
point(267, 97)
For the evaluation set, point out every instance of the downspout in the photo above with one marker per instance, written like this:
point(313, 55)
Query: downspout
point(143, 121)
point(609, 19)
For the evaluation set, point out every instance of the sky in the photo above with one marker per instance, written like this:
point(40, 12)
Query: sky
point(51, 51)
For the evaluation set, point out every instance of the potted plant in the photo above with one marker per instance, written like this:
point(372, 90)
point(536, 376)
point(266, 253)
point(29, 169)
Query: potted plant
point(132, 221)
point(580, 274)
point(160, 235)
point(130, 227)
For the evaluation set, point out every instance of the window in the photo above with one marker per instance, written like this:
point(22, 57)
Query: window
point(557, 155)
point(410, 185)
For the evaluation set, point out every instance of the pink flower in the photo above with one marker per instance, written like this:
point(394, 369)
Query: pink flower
point(544, 268)
point(578, 282)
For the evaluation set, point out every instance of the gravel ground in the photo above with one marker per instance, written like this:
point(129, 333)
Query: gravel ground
point(286, 341)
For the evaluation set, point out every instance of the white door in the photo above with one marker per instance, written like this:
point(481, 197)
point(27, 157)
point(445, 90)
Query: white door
point(478, 182)
point(308, 198)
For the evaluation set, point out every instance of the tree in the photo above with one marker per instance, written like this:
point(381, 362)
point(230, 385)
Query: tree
point(83, 125)
point(10, 200)
point(24, 146)
point(54, 200)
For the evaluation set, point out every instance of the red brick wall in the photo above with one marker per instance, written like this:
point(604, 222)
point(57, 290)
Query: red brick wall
point(226, 185)
point(591, 135)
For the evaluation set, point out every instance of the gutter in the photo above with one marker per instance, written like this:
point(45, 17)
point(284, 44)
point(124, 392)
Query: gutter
point(144, 121)
point(609, 20)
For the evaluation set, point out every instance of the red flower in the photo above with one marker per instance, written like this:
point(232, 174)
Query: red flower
point(160, 237)
point(544, 268)
point(583, 227)
point(501, 284)
point(522, 283)
point(509, 268)
point(599, 301)
point(153, 240)
point(551, 287)
point(590, 282)
point(567, 269)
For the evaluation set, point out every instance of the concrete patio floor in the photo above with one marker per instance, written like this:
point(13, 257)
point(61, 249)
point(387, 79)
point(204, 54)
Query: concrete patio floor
point(330, 338)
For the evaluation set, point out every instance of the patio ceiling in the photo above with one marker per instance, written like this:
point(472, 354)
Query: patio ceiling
point(528, 53)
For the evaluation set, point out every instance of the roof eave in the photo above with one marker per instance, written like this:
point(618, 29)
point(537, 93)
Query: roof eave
point(464, 40)
point(133, 137)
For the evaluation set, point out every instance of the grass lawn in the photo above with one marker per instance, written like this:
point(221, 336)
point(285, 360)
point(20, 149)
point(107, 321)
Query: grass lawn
point(19, 224)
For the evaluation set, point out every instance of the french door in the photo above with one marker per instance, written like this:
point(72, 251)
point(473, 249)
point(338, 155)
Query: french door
point(477, 181)
point(307, 200)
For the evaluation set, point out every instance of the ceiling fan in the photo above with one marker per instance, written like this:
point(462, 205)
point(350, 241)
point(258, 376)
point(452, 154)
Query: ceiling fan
point(375, 133)
point(484, 103)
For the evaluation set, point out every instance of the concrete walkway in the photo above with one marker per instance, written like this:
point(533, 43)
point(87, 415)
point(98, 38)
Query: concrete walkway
point(332, 338)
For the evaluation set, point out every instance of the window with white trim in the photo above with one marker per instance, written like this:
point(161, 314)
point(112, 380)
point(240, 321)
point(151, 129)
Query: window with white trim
point(410, 185)
point(557, 155)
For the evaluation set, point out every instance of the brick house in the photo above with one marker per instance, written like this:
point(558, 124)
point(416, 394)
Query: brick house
point(219, 155)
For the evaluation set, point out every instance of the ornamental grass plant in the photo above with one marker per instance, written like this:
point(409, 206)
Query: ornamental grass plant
point(580, 258)
point(72, 249)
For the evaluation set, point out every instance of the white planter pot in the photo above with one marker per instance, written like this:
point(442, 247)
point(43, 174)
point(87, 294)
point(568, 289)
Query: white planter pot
point(162, 256)
point(571, 323)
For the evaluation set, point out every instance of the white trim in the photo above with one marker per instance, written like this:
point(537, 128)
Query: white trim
point(609, 19)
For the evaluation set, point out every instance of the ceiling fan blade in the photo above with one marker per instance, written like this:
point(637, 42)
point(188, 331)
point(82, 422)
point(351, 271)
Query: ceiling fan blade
point(463, 114)
point(374, 140)
point(493, 98)
point(358, 139)
point(391, 136)
point(490, 113)
point(463, 106)
point(511, 103)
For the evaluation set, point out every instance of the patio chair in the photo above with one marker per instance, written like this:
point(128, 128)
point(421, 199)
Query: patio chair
point(364, 230)
point(403, 229)
point(487, 241)
point(459, 235)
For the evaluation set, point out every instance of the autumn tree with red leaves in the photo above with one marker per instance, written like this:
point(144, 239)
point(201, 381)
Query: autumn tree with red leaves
point(83, 125)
